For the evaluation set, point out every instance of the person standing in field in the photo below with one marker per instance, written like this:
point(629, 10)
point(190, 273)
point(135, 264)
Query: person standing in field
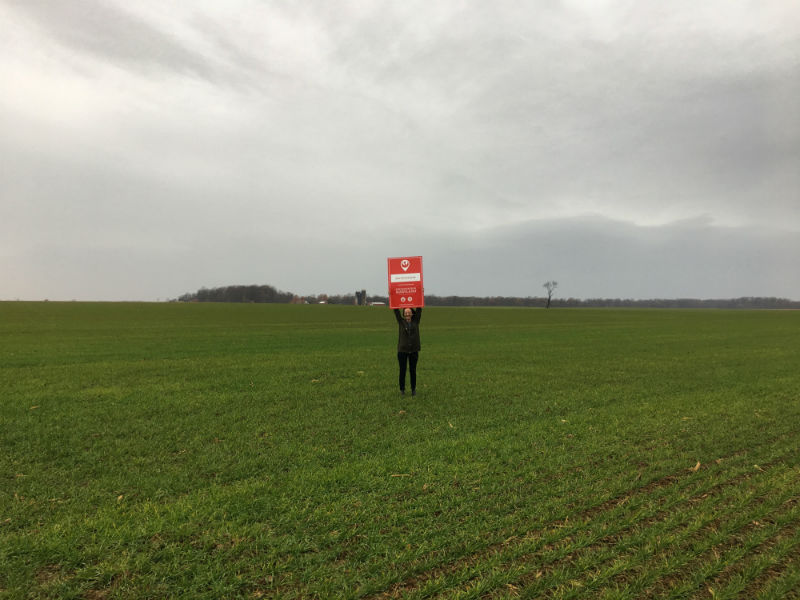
point(408, 345)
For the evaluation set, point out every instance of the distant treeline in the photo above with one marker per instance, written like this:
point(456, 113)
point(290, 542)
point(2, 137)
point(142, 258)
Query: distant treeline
point(269, 294)
point(748, 302)
point(238, 293)
point(744, 302)
point(259, 294)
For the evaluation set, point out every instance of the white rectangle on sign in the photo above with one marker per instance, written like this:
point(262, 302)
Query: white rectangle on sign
point(404, 277)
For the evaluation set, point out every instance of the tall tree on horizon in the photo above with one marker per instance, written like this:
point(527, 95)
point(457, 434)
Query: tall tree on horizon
point(550, 286)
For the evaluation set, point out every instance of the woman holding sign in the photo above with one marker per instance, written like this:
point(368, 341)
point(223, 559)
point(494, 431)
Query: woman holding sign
point(408, 345)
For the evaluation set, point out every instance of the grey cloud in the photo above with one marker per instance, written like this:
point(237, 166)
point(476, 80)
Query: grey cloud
point(480, 136)
point(597, 257)
point(590, 257)
point(112, 34)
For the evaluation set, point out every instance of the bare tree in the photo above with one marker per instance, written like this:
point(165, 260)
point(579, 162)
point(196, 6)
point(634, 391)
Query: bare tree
point(550, 286)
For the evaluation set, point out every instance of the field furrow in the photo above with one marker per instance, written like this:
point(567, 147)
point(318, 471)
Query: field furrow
point(760, 555)
point(651, 547)
point(593, 532)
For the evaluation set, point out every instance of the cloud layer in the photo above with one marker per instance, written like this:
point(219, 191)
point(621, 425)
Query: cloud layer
point(626, 150)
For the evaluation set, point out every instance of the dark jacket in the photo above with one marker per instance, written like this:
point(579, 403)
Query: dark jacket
point(408, 340)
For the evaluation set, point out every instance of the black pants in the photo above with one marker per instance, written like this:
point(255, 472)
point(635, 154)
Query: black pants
point(411, 359)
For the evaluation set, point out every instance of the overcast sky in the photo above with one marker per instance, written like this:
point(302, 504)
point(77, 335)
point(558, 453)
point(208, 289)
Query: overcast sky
point(625, 149)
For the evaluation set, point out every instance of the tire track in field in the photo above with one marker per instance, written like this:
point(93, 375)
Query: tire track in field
point(419, 580)
point(506, 531)
point(510, 531)
point(724, 541)
point(569, 525)
point(557, 546)
point(768, 557)
point(781, 582)
point(571, 565)
point(712, 536)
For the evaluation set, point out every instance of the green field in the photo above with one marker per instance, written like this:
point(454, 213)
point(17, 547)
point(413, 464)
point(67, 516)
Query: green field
point(263, 451)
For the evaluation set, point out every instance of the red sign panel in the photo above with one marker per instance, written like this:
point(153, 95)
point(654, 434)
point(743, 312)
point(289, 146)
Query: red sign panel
point(405, 282)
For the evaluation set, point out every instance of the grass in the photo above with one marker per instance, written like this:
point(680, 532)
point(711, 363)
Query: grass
point(262, 451)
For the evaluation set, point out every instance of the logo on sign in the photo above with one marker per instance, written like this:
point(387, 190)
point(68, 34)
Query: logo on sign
point(404, 264)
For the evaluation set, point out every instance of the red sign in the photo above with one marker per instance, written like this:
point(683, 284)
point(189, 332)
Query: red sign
point(405, 282)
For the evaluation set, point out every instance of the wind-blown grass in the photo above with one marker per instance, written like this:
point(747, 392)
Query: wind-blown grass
point(200, 450)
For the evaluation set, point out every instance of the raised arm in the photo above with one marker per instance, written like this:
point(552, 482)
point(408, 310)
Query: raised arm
point(417, 315)
point(397, 315)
